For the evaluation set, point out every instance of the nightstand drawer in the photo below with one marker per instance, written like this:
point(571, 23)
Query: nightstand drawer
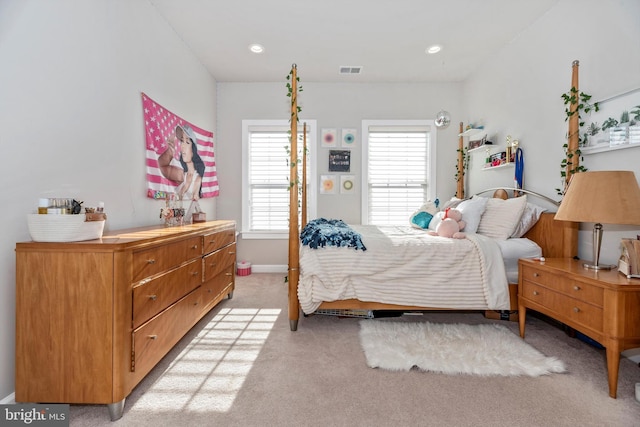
point(572, 288)
point(541, 277)
point(581, 291)
point(565, 309)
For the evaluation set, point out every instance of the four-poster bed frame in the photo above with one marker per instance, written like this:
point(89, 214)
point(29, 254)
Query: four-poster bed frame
point(556, 238)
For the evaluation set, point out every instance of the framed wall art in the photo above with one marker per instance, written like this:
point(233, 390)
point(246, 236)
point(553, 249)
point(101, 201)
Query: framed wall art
point(339, 160)
point(329, 137)
point(349, 137)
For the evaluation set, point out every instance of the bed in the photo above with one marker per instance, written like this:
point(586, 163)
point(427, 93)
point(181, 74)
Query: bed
point(474, 273)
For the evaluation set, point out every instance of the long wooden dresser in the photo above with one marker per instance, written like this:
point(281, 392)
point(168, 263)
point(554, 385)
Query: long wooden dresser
point(94, 317)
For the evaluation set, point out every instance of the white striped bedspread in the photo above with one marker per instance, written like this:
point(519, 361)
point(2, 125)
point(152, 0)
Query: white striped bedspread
point(406, 266)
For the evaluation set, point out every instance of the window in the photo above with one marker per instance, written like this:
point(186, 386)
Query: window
point(265, 177)
point(398, 169)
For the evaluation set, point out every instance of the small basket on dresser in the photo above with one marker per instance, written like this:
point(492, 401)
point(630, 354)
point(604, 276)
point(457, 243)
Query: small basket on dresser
point(64, 228)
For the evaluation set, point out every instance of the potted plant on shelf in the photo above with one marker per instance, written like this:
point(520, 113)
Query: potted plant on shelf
point(634, 126)
point(619, 133)
point(589, 138)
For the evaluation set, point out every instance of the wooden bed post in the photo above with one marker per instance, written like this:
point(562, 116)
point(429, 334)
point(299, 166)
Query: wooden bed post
point(303, 183)
point(460, 177)
point(573, 159)
point(294, 238)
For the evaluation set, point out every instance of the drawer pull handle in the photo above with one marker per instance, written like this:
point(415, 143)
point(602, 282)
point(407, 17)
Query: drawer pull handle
point(576, 288)
point(153, 337)
point(153, 297)
point(536, 275)
point(194, 273)
point(194, 247)
point(232, 252)
point(228, 274)
point(213, 264)
point(151, 261)
point(576, 310)
point(536, 293)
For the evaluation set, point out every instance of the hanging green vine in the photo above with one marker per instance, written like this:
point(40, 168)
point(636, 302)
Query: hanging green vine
point(583, 106)
point(465, 164)
point(294, 115)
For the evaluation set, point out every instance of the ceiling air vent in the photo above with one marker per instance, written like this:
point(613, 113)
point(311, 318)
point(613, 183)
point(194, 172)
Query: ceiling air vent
point(350, 69)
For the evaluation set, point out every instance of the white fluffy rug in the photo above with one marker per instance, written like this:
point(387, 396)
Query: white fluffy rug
point(485, 349)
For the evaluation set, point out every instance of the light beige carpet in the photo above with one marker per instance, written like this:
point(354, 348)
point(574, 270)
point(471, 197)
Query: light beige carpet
point(242, 366)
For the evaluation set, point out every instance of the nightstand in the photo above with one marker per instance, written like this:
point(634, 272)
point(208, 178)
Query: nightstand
point(603, 305)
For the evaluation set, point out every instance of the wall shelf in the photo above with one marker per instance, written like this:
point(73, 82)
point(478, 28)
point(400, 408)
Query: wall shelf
point(593, 150)
point(471, 150)
point(504, 165)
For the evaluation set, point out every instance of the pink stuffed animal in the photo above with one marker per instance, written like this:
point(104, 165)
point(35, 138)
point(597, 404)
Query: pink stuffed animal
point(451, 225)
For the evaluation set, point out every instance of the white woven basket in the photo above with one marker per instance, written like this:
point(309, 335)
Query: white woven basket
point(63, 228)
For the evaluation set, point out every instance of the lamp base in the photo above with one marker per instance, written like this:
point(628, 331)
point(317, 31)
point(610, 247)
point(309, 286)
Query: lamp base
point(598, 266)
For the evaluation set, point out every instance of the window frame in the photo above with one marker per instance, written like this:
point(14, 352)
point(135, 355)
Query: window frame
point(431, 192)
point(285, 126)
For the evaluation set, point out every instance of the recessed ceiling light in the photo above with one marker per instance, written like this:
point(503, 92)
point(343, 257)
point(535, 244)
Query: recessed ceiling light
point(433, 49)
point(256, 48)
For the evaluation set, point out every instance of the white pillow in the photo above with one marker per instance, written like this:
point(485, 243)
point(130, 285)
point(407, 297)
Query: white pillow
point(451, 203)
point(501, 217)
point(472, 210)
point(529, 217)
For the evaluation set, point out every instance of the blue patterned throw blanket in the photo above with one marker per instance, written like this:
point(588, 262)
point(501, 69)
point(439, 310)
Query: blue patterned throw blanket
point(323, 232)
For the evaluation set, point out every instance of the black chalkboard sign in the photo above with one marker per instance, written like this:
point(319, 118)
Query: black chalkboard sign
point(339, 160)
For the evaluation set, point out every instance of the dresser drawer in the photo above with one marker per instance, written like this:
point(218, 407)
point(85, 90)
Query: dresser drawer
point(218, 261)
point(151, 296)
point(214, 241)
point(155, 338)
point(563, 307)
point(211, 289)
point(154, 260)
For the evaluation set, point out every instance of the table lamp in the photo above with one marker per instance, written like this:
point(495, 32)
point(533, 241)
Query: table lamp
point(610, 197)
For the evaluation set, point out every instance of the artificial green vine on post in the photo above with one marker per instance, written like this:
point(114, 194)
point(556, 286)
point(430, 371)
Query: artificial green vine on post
point(465, 164)
point(583, 106)
point(294, 112)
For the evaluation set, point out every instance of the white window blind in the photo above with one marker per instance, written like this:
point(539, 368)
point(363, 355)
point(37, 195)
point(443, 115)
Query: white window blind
point(266, 177)
point(400, 171)
point(268, 181)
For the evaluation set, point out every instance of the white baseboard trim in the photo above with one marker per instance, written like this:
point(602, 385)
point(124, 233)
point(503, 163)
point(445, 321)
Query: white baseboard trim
point(9, 399)
point(269, 268)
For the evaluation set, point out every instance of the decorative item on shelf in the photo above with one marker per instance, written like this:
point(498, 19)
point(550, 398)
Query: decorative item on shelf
point(512, 147)
point(619, 132)
point(610, 197)
point(634, 126)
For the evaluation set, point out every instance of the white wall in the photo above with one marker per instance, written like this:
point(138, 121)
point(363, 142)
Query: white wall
point(333, 105)
point(70, 110)
point(71, 114)
point(518, 92)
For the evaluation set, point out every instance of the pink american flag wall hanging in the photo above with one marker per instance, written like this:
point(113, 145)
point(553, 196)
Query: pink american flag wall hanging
point(175, 163)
